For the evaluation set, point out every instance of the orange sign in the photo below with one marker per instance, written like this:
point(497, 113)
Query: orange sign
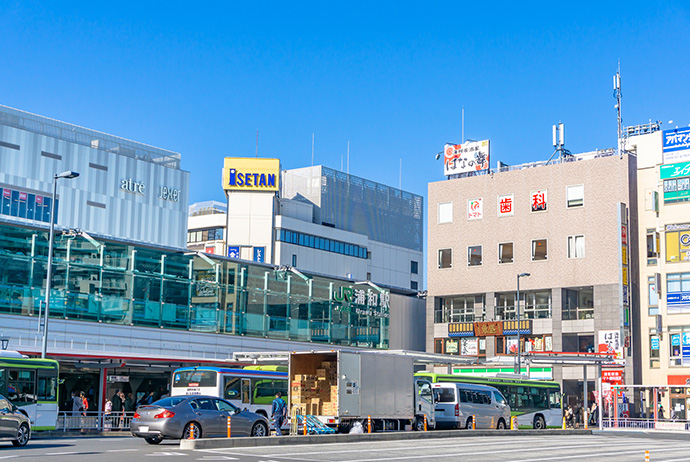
point(682, 380)
point(488, 329)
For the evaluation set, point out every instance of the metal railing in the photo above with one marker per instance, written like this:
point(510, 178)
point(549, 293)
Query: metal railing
point(645, 424)
point(93, 421)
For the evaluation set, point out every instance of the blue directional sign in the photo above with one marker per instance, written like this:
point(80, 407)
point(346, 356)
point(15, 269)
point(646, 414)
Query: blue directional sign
point(234, 252)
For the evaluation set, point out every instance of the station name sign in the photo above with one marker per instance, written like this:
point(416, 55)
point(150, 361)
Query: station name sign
point(251, 174)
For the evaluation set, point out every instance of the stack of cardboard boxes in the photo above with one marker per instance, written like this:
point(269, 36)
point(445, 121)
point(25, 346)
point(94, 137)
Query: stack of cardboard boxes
point(316, 394)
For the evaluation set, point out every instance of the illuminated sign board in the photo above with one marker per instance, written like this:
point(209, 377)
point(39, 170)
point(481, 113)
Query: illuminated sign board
point(471, 156)
point(251, 174)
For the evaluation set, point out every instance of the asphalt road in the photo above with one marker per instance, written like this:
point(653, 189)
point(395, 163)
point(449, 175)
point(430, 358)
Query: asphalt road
point(606, 447)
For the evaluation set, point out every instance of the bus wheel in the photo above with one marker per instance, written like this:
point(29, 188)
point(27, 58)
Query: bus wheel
point(539, 423)
point(501, 424)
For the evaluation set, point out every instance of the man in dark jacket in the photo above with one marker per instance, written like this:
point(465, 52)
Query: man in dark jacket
point(117, 408)
point(278, 412)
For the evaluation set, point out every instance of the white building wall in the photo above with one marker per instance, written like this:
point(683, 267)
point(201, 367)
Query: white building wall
point(250, 222)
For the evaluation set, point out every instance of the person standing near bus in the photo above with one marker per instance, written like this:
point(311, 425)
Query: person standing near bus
point(278, 412)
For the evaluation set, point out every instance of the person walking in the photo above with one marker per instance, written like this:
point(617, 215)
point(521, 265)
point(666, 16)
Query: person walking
point(278, 412)
point(129, 404)
point(107, 422)
point(77, 408)
point(117, 408)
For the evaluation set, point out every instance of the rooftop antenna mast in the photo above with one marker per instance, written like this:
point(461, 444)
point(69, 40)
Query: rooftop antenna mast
point(558, 132)
point(618, 95)
point(257, 143)
point(312, 149)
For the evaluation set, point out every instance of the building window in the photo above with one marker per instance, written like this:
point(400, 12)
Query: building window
point(505, 306)
point(578, 303)
point(674, 346)
point(576, 195)
point(294, 260)
point(445, 258)
point(438, 345)
point(505, 252)
point(368, 276)
point(460, 309)
point(677, 292)
point(414, 285)
point(414, 267)
point(445, 213)
point(652, 296)
point(576, 246)
point(319, 243)
point(654, 356)
point(652, 243)
point(536, 305)
point(474, 255)
point(539, 249)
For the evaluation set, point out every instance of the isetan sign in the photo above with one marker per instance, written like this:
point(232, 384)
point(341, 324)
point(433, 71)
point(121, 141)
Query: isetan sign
point(251, 174)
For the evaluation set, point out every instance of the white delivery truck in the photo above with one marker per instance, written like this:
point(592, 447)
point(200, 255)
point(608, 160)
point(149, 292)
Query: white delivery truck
point(344, 387)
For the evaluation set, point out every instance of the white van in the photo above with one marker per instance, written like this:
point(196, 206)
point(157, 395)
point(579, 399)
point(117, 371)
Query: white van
point(458, 403)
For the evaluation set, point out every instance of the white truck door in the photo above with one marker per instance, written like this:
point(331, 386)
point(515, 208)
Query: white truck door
point(349, 377)
point(424, 401)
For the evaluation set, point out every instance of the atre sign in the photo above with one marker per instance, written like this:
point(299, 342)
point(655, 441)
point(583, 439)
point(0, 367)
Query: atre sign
point(251, 174)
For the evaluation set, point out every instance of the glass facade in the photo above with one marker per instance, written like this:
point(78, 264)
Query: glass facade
point(121, 283)
point(21, 204)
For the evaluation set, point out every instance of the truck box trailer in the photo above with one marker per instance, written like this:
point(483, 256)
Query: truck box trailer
point(344, 387)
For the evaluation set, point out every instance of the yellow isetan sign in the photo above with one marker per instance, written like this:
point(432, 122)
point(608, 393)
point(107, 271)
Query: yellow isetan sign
point(251, 174)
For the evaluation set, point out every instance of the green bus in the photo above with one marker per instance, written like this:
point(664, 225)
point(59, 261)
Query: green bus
point(535, 403)
point(32, 385)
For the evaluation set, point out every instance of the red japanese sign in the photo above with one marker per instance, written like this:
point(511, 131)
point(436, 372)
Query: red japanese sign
point(538, 200)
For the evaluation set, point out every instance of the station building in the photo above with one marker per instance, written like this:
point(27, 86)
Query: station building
point(129, 301)
point(569, 224)
point(663, 193)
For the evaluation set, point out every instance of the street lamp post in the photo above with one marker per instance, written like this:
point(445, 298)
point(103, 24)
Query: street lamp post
point(517, 363)
point(49, 276)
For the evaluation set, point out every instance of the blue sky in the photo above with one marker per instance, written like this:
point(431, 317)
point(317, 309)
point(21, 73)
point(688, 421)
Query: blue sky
point(390, 77)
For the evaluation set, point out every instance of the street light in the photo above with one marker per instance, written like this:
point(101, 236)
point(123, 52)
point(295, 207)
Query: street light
point(68, 175)
point(517, 364)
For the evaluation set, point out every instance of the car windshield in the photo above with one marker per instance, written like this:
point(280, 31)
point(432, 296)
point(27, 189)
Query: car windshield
point(170, 402)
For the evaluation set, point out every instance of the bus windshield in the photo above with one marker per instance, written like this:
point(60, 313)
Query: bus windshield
point(184, 379)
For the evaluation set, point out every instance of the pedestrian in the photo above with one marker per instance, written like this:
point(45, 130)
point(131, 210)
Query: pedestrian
point(661, 413)
point(107, 422)
point(569, 417)
point(278, 412)
point(117, 407)
point(77, 408)
point(150, 398)
point(594, 414)
point(129, 404)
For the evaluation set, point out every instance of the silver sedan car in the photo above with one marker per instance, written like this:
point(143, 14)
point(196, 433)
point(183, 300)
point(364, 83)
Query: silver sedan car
point(178, 417)
point(14, 425)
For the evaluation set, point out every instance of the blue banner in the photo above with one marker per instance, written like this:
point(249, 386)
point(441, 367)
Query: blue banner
point(678, 302)
point(676, 139)
point(259, 253)
point(234, 252)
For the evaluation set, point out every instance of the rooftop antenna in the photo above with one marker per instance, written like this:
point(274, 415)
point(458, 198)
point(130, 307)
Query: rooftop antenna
point(400, 179)
point(348, 157)
point(558, 134)
point(618, 95)
point(312, 149)
point(462, 139)
point(257, 143)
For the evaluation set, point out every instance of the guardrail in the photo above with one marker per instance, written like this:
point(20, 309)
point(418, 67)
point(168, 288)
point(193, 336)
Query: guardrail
point(646, 424)
point(93, 421)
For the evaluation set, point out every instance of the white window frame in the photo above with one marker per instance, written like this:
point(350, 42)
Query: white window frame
point(567, 196)
point(439, 258)
point(499, 253)
point(481, 249)
point(532, 248)
point(573, 246)
point(438, 218)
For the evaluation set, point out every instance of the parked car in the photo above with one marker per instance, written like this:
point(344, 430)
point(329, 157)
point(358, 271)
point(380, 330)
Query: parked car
point(458, 403)
point(172, 418)
point(15, 426)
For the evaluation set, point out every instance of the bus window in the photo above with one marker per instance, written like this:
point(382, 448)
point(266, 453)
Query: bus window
point(231, 389)
point(2, 382)
point(185, 379)
point(246, 390)
point(539, 397)
point(266, 389)
point(47, 388)
point(554, 400)
point(21, 385)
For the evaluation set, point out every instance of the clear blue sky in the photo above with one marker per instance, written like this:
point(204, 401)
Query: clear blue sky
point(392, 78)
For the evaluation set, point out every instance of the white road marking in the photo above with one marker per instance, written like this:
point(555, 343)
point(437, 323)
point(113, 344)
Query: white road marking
point(121, 450)
point(166, 454)
point(600, 454)
point(675, 460)
point(218, 458)
point(60, 453)
point(7, 457)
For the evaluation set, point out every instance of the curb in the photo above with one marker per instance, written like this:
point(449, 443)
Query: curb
point(53, 434)
point(216, 443)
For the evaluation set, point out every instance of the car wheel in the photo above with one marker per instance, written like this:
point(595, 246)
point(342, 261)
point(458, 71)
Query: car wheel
point(468, 424)
point(154, 440)
point(501, 424)
point(259, 429)
point(187, 433)
point(22, 436)
point(539, 423)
